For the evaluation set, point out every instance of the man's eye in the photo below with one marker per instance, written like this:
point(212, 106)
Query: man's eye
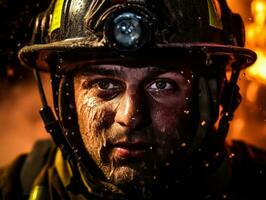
point(106, 85)
point(161, 85)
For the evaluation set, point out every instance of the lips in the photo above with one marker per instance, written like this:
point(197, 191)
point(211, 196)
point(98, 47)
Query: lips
point(126, 150)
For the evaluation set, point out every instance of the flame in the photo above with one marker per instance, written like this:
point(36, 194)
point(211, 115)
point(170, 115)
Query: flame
point(256, 40)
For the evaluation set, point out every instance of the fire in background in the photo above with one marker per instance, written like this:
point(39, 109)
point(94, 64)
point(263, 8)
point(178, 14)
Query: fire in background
point(249, 123)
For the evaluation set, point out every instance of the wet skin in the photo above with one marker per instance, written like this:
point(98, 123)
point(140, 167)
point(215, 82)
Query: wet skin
point(130, 118)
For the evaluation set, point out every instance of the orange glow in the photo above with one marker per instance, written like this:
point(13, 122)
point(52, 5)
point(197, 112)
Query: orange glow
point(252, 91)
point(258, 9)
point(256, 40)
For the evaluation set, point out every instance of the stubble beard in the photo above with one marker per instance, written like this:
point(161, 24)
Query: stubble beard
point(96, 139)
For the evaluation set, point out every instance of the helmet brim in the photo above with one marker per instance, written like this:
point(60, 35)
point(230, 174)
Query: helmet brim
point(39, 55)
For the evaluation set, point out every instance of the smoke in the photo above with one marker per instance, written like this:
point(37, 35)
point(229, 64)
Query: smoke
point(20, 123)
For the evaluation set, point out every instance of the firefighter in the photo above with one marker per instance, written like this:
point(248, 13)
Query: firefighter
point(142, 103)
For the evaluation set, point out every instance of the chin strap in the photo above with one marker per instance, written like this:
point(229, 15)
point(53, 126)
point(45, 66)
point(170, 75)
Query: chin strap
point(230, 102)
point(54, 128)
point(207, 146)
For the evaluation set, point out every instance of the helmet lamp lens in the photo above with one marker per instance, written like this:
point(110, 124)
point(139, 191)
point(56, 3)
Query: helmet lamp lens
point(128, 30)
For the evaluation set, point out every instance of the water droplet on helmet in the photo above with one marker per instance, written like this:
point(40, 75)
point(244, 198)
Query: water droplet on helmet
point(204, 49)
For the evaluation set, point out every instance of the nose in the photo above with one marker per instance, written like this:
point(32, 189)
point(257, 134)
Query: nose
point(132, 111)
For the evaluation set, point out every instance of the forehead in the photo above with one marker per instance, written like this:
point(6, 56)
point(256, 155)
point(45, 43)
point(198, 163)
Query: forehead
point(135, 72)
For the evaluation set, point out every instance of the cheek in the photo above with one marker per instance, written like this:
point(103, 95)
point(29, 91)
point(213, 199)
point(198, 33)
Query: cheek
point(93, 113)
point(94, 118)
point(171, 113)
point(164, 119)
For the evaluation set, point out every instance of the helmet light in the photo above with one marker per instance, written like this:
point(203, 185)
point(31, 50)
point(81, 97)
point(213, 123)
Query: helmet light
point(127, 31)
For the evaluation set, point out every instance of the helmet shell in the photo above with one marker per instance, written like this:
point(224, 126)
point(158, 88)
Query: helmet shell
point(121, 30)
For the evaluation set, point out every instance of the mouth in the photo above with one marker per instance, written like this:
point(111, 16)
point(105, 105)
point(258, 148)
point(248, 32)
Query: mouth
point(128, 150)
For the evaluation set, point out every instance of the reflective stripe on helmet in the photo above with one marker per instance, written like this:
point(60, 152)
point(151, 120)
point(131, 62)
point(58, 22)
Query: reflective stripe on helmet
point(215, 14)
point(57, 14)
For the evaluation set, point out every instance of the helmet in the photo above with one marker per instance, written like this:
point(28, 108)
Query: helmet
point(131, 31)
point(115, 28)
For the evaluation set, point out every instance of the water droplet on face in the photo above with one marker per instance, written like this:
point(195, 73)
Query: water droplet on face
point(188, 81)
point(103, 140)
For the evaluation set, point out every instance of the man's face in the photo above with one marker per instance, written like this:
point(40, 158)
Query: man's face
point(130, 118)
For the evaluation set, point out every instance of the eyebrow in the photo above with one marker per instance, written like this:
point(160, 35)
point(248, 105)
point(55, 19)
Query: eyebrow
point(116, 71)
